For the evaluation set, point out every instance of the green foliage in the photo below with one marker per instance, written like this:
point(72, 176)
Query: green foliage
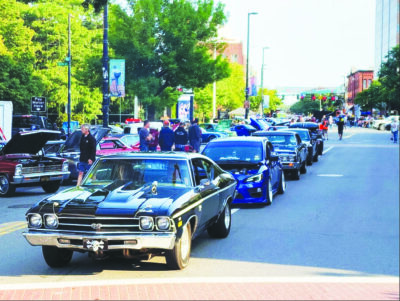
point(305, 106)
point(275, 102)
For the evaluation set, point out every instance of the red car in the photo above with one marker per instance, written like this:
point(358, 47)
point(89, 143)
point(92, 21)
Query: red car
point(112, 145)
point(23, 163)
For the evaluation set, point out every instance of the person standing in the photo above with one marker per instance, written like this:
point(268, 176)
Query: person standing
point(394, 128)
point(195, 135)
point(325, 127)
point(330, 121)
point(340, 125)
point(87, 147)
point(180, 137)
point(166, 137)
point(145, 136)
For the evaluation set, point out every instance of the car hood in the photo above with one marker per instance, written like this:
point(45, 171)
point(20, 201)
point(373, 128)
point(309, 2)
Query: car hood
point(97, 201)
point(28, 142)
point(71, 145)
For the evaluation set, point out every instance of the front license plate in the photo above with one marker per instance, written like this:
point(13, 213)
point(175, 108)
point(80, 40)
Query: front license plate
point(95, 244)
point(44, 179)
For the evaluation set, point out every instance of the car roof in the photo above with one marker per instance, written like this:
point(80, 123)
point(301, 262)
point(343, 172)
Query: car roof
point(273, 133)
point(239, 139)
point(156, 155)
point(294, 130)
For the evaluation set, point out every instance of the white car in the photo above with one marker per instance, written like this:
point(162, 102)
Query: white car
point(384, 124)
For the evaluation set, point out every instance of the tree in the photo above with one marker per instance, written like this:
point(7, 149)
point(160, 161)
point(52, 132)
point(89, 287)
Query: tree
point(389, 76)
point(166, 44)
point(305, 106)
point(275, 101)
point(371, 97)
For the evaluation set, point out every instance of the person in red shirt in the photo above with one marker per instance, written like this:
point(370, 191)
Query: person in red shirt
point(324, 127)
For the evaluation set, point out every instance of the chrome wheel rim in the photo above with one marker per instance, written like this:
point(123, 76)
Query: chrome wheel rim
point(283, 182)
point(185, 244)
point(227, 218)
point(4, 185)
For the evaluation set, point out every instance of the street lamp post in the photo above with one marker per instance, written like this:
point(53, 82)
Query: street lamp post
point(247, 64)
point(262, 82)
point(106, 96)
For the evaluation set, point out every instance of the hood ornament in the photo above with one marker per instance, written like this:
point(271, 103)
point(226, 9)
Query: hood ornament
point(154, 187)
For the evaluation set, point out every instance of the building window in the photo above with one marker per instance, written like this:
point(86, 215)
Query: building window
point(234, 58)
point(369, 83)
point(364, 84)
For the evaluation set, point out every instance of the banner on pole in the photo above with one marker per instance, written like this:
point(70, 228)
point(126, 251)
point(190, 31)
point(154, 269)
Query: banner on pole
point(266, 101)
point(117, 78)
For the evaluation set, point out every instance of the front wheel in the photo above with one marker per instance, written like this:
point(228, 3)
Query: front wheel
point(56, 257)
point(51, 187)
point(222, 227)
point(270, 194)
point(282, 184)
point(178, 257)
point(303, 168)
point(6, 188)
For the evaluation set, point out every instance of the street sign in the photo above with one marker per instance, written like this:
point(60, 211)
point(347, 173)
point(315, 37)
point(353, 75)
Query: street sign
point(38, 104)
point(266, 101)
point(62, 63)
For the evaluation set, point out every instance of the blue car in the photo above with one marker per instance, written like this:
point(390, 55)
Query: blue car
point(252, 162)
point(207, 136)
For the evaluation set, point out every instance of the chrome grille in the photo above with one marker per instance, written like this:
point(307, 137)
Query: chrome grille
point(41, 169)
point(98, 224)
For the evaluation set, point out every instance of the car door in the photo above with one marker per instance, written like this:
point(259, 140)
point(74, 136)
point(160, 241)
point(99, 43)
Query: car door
point(204, 175)
point(272, 165)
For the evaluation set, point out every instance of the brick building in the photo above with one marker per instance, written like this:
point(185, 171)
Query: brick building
point(358, 81)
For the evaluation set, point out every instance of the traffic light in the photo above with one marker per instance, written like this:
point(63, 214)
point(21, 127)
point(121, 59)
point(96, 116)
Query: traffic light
point(333, 98)
point(323, 98)
point(313, 97)
point(302, 96)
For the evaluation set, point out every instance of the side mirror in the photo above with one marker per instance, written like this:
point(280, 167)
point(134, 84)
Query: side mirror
point(205, 182)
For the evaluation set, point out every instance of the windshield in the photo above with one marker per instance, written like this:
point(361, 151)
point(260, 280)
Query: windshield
point(234, 151)
point(134, 173)
point(130, 140)
point(305, 136)
point(282, 140)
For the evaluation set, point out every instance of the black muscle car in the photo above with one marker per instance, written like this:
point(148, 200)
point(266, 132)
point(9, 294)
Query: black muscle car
point(135, 205)
point(290, 149)
point(304, 134)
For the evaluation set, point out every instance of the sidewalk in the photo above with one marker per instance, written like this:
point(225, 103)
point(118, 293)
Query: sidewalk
point(212, 291)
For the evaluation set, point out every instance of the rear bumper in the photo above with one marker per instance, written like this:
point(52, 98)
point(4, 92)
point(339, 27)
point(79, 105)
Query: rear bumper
point(40, 177)
point(115, 241)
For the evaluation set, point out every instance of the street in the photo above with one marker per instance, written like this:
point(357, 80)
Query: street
point(338, 224)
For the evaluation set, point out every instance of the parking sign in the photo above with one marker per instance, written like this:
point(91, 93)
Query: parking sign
point(38, 104)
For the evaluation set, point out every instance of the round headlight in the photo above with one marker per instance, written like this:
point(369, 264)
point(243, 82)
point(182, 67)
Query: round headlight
point(35, 220)
point(163, 223)
point(146, 223)
point(65, 166)
point(51, 221)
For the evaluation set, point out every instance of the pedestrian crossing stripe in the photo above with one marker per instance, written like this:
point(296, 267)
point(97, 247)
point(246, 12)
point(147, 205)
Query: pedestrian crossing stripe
point(10, 227)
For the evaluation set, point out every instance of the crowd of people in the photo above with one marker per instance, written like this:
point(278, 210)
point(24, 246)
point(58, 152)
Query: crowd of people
point(169, 140)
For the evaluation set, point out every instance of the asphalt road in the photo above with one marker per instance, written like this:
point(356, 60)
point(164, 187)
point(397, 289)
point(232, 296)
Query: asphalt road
point(340, 219)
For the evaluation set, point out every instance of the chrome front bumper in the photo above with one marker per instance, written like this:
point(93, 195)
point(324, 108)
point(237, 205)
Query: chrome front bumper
point(136, 241)
point(41, 177)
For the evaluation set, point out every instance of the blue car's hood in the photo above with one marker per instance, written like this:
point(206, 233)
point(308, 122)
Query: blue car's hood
point(91, 201)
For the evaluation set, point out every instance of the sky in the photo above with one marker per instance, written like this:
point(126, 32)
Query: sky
point(312, 43)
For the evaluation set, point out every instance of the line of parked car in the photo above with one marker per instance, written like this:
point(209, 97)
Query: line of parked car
point(138, 205)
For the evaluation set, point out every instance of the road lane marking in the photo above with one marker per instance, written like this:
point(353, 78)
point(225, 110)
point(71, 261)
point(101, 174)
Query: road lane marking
point(177, 280)
point(10, 227)
point(327, 150)
point(330, 175)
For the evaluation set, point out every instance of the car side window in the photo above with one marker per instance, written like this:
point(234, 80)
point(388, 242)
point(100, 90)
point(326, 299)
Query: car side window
point(210, 170)
point(199, 171)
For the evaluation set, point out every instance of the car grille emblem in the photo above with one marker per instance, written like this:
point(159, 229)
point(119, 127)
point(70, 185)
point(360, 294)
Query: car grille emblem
point(96, 226)
point(95, 245)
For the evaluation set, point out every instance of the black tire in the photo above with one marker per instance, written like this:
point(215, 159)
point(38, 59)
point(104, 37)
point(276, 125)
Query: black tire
point(6, 188)
point(175, 259)
point(269, 197)
point(315, 158)
point(282, 184)
point(56, 257)
point(296, 174)
point(303, 168)
point(222, 227)
point(309, 159)
point(51, 187)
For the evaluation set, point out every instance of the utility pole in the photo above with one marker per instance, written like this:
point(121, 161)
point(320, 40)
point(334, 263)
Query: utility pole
point(247, 65)
point(262, 82)
point(214, 89)
point(69, 76)
point(106, 96)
